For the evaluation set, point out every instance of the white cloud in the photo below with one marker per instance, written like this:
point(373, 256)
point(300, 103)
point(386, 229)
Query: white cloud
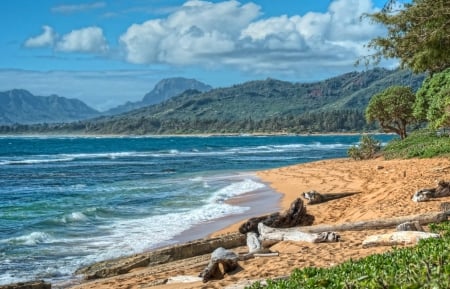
point(231, 33)
point(87, 40)
point(193, 34)
point(47, 38)
point(77, 7)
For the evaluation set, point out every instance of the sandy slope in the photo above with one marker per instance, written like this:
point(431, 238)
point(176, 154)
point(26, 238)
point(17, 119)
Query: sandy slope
point(385, 190)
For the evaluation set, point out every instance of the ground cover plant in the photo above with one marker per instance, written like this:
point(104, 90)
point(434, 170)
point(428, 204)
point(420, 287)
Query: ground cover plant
point(426, 265)
point(420, 144)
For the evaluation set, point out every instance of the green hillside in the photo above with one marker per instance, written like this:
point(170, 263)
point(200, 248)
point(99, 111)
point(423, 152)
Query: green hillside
point(270, 105)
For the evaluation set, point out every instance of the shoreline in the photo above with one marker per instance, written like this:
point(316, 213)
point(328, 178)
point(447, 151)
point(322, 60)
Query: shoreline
point(190, 135)
point(385, 188)
point(260, 202)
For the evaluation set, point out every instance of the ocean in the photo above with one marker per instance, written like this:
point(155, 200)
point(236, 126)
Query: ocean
point(67, 202)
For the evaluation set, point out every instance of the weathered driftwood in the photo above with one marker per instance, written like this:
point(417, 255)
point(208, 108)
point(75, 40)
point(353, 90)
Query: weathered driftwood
point(222, 261)
point(295, 216)
point(423, 195)
point(445, 207)
point(253, 244)
point(409, 226)
point(40, 284)
point(423, 219)
point(160, 256)
point(293, 234)
point(315, 197)
point(397, 238)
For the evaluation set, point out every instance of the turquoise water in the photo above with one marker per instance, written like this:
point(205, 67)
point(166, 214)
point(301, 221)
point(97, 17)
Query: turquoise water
point(66, 202)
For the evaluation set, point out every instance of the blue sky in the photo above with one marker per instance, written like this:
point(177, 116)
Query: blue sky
point(107, 52)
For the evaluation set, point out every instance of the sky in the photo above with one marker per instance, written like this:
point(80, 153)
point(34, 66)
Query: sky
point(108, 52)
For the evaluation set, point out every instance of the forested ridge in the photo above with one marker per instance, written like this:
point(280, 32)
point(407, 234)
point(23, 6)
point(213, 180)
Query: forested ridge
point(266, 106)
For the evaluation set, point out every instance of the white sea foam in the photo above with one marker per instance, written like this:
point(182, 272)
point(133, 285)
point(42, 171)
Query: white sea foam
point(235, 189)
point(74, 217)
point(133, 236)
point(31, 239)
point(35, 161)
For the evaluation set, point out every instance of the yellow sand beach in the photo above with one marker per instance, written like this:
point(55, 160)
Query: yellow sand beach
point(385, 188)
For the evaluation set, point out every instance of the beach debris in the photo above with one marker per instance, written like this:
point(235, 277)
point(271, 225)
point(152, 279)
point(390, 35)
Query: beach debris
point(423, 195)
point(445, 207)
point(164, 255)
point(183, 279)
point(423, 219)
point(295, 216)
point(397, 238)
point(253, 243)
point(294, 234)
point(409, 226)
point(39, 284)
point(315, 197)
point(222, 261)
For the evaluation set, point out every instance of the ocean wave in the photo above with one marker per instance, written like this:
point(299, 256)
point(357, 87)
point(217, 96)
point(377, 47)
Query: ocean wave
point(74, 217)
point(235, 189)
point(31, 239)
point(193, 152)
point(35, 161)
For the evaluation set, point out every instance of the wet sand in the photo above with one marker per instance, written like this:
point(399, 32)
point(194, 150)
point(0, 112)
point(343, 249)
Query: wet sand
point(385, 188)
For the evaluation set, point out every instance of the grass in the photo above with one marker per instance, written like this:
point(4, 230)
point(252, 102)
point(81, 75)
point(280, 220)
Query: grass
point(420, 144)
point(426, 265)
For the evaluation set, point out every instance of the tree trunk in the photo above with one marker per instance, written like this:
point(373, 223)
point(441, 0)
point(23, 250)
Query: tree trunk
point(423, 219)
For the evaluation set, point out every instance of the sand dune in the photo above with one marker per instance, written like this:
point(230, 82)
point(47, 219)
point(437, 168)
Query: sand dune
point(385, 187)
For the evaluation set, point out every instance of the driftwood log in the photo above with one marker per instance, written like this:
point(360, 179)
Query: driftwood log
point(423, 219)
point(293, 234)
point(295, 216)
point(409, 226)
point(315, 197)
point(445, 207)
point(423, 195)
point(397, 238)
point(222, 261)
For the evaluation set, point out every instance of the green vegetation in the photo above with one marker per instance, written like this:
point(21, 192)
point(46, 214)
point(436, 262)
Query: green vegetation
point(426, 265)
point(433, 100)
point(393, 109)
point(421, 144)
point(418, 35)
point(367, 149)
point(267, 106)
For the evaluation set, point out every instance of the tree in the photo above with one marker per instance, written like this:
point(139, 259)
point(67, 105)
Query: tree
point(433, 100)
point(418, 35)
point(393, 109)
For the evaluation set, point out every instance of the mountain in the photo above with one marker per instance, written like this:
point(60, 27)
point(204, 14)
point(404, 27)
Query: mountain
point(264, 106)
point(162, 91)
point(20, 106)
point(335, 104)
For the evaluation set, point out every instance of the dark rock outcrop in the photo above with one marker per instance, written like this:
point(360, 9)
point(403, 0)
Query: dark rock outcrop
point(28, 285)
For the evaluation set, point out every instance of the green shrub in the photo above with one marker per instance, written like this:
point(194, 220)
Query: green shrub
point(367, 149)
point(420, 144)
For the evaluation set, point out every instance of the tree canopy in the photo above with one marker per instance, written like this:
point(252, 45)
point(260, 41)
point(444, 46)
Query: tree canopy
point(433, 100)
point(418, 35)
point(393, 109)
